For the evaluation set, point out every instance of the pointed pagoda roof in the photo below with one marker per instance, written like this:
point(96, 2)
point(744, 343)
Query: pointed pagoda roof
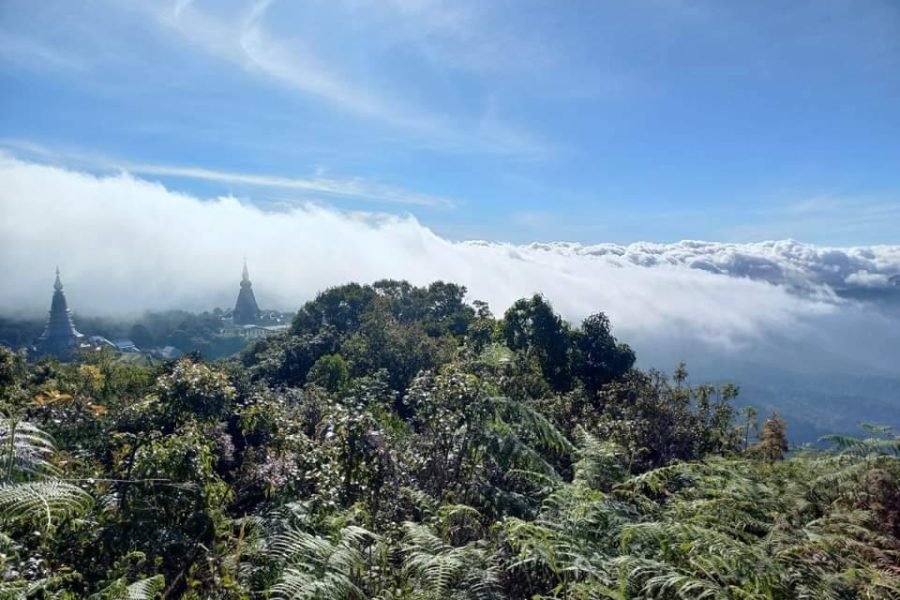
point(246, 311)
point(60, 338)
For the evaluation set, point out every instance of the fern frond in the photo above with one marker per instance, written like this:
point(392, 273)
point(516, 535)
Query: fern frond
point(855, 446)
point(317, 567)
point(146, 589)
point(143, 589)
point(445, 571)
point(20, 589)
point(42, 502)
point(535, 423)
point(24, 448)
point(296, 584)
point(599, 465)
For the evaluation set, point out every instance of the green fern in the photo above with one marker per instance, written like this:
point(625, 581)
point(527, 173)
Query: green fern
point(546, 434)
point(317, 567)
point(20, 589)
point(24, 449)
point(42, 503)
point(847, 444)
point(442, 571)
point(600, 463)
point(143, 589)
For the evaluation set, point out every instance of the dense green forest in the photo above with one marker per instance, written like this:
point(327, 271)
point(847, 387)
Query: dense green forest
point(399, 443)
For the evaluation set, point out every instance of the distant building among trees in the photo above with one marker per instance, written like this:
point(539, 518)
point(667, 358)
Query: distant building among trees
point(60, 338)
point(246, 311)
point(163, 336)
point(247, 321)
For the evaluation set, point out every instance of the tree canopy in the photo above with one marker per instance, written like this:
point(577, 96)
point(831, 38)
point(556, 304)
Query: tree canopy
point(400, 443)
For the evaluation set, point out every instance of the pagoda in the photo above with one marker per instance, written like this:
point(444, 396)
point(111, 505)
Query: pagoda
point(246, 312)
point(60, 338)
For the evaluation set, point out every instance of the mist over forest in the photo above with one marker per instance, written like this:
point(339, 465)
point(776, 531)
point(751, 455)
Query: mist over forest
point(774, 317)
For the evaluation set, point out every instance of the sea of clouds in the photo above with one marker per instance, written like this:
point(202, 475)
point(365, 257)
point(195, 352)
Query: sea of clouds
point(784, 262)
point(125, 245)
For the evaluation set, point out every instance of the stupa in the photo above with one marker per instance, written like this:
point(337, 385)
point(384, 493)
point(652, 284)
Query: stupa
point(246, 311)
point(60, 338)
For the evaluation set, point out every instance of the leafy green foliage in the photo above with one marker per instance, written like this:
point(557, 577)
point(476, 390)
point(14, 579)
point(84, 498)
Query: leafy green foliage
point(657, 420)
point(438, 569)
point(533, 327)
point(26, 452)
point(316, 567)
point(194, 389)
point(42, 503)
point(24, 448)
point(330, 372)
point(398, 443)
point(598, 357)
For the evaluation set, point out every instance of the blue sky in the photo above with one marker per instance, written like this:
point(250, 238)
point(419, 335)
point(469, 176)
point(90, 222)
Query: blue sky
point(507, 120)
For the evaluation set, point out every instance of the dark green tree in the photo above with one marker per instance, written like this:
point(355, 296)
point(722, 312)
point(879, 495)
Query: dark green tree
point(531, 326)
point(330, 372)
point(598, 357)
point(339, 308)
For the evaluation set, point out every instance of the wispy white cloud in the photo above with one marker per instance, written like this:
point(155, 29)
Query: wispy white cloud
point(299, 68)
point(866, 209)
point(30, 52)
point(465, 36)
point(840, 217)
point(349, 188)
point(315, 186)
point(243, 39)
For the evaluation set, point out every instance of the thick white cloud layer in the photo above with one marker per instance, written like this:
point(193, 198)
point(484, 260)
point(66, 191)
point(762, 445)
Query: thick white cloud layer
point(125, 245)
point(788, 262)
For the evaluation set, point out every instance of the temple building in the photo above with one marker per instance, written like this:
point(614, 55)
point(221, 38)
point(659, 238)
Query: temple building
point(60, 338)
point(246, 312)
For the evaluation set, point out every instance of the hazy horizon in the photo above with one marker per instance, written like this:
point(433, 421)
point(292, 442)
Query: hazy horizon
point(125, 245)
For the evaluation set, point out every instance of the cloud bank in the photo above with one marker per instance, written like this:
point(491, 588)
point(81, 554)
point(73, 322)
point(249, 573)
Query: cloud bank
point(812, 332)
point(126, 245)
point(785, 262)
